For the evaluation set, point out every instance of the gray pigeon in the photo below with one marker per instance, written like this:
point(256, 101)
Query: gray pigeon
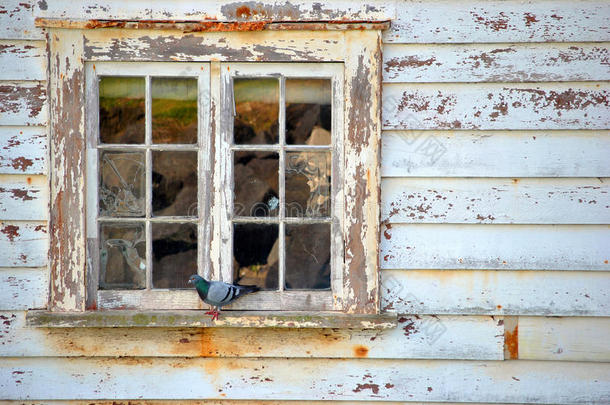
point(217, 293)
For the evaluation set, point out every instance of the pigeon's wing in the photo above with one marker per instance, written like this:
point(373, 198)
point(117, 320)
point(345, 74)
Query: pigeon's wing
point(222, 293)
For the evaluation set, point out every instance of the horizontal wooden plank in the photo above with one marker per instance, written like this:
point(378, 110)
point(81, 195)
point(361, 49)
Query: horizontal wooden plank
point(25, 242)
point(23, 198)
point(23, 60)
point(416, 337)
point(359, 379)
point(499, 21)
point(23, 288)
point(567, 339)
point(484, 292)
point(24, 150)
point(498, 201)
point(495, 62)
point(495, 153)
point(485, 246)
point(23, 103)
point(231, 402)
point(574, 105)
point(17, 20)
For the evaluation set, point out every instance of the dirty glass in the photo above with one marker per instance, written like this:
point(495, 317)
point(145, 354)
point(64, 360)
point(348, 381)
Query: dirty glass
point(307, 256)
point(122, 184)
point(174, 110)
point(174, 254)
point(255, 177)
point(174, 183)
point(122, 256)
point(256, 255)
point(256, 111)
point(308, 184)
point(308, 111)
point(122, 110)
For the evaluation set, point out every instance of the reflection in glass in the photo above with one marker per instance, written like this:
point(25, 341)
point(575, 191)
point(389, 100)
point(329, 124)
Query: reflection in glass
point(256, 184)
point(122, 116)
point(308, 111)
point(307, 256)
point(174, 110)
point(174, 254)
point(308, 184)
point(122, 257)
point(255, 255)
point(174, 183)
point(122, 184)
point(256, 110)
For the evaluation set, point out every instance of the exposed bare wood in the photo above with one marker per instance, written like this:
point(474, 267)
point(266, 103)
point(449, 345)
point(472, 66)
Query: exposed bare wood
point(22, 288)
point(17, 20)
point(495, 153)
point(23, 103)
point(485, 292)
point(497, 201)
point(24, 150)
point(26, 244)
point(22, 60)
point(23, 198)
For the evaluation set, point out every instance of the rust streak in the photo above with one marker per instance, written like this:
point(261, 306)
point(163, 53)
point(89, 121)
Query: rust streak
point(361, 351)
point(511, 342)
point(11, 232)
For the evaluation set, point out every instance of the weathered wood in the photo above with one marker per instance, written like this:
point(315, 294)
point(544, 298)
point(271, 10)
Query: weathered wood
point(24, 150)
point(416, 337)
point(496, 106)
point(499, 21)
point(358, 379)
point(22, 60)
point(23, 198)
point(514, 247)
point(495, 153)
point(485, 292)
point(25, 244)
point(498, 201)
point(22, 288)
point(23, 103)
point(495, 63)
point(17, 20)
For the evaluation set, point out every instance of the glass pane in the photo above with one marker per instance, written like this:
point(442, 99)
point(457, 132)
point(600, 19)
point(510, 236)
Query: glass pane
point(256, 184)
point(174, 110)
point(174, 254)
point(255, 255)
point(308, 256)
point(122, 257)
point(308, 111)
point(174, 183)
point(307, 183)
point(122, 117)
point(122, 184)
point(256, 111)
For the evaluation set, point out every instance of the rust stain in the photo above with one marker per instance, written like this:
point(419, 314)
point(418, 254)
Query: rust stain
point(529, 19)
point(361, 351)
point(511, 342)
point(93, 24)
point(212, 26)
point(243, 12)
point(21, 163)
point(497, 23)
point(11, 232)
point(408, 62)
point(387, 234)
point(372, 387)
point(409, 328)
point(429, 389)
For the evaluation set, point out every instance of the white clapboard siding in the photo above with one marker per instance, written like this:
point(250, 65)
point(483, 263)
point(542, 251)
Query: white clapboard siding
point(23, 198)
point(495, 62)
point(22, 60)
point(574, 105)
point(23, 288)
point(358, 379)
point(495, 153)
point(24, 244)
point(17, 20)
point(487, 246)
point(416, 337)
point(499, 21)
point(23, 103)
point(567, 339)
point(486, 292)
point(497, 200)
point(24, 150)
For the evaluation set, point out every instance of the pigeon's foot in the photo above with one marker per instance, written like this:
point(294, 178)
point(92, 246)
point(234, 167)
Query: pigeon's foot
point(214, 314)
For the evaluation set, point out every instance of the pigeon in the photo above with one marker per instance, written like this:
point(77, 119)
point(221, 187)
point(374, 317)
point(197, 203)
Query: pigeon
point(219, 294)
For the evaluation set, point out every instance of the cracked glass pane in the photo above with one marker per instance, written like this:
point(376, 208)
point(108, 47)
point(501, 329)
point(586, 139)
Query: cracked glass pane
point(308, 180)
point(255, 255)
point(174, 183)
point(122, 257)
point(308, 111)
point(122, 184)
point(174, 254)
point(256, 111)
point(307, 256)
point(174, 110)
point(256, 184)
point(122, 111)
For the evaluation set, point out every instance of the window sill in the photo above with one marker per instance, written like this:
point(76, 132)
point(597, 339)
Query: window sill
point(198, 319)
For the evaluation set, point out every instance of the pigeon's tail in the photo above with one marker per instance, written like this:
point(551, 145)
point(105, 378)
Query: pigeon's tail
point(246, 289)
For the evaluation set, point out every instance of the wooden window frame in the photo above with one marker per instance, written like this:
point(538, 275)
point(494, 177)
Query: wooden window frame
point(359, 50)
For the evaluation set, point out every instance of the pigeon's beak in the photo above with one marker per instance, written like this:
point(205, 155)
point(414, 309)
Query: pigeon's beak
point(190, 282)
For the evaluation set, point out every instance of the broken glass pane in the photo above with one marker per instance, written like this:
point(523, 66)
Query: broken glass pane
point(256, 184)
point(174, 254)
point(174, 110)
point(122, 256)
point(122, 184)
point(174, 183)
point(308, 111)
point(307, 256)
point(256, 110)
point(122, 116)
point(255, 255)
point(308, 184)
